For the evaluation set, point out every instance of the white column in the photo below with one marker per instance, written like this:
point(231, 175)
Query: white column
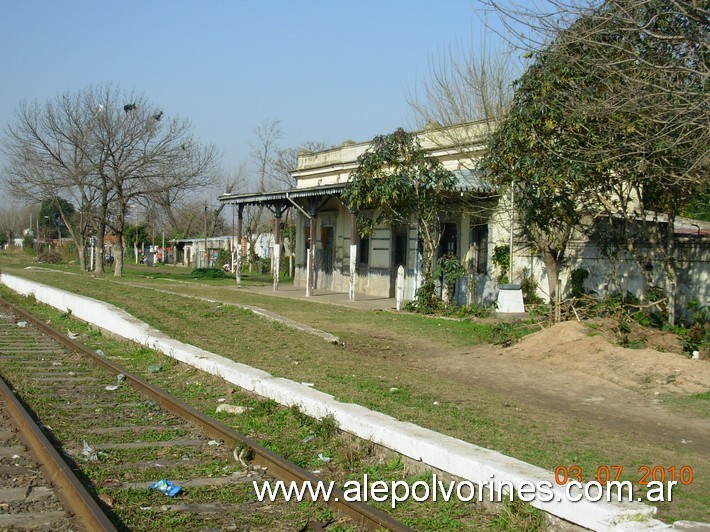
point(238, 274)
point(276, 265)
point(309, 281)
point(400, 287)
point(353, 262)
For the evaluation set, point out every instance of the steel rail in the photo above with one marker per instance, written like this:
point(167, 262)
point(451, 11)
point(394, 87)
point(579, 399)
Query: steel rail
point(68, 487)
point(280, 468)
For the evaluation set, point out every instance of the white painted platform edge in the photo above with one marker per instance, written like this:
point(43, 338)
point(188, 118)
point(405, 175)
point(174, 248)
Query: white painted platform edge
point(449, 454)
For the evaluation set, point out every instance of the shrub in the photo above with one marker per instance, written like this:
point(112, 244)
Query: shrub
point(469, 311)
point(68, 251)
point(701, 313)
point(208, 273)
point(528, 286)
point(261, 265)
point(501, 258)
point(698, 333)
point(49, 256)
point(449, 266)
point(426, 300)
point(28, 244)
point(577, 279)
point(223, 257)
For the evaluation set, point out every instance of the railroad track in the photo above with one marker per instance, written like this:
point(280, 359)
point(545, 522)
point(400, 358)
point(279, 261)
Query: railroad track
point(121, 434)
point(27, 462)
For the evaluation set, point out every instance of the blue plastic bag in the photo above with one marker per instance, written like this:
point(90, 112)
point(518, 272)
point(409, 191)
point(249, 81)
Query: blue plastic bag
point(167, 487)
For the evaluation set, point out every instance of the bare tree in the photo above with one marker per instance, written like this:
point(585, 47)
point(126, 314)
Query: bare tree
point(178, 212)
point(46, 159)
point(13, 221)
point(140, 152)
point(263, 151)
point(229, 184)
point(111, 149)
point(466, 85)
point(264, 148)
point(285, 161)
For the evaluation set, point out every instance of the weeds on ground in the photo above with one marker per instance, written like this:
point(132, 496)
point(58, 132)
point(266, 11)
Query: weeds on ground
point(468, 311)
point(208, 273)
point(49, 257)
point(696, 336)
point(428, 302)
point(517, 515)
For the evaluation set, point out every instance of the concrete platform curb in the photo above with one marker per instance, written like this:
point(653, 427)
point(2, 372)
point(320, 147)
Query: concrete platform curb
point(454, 456)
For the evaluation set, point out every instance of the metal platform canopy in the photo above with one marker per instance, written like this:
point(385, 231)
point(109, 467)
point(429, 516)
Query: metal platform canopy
point(307, 200)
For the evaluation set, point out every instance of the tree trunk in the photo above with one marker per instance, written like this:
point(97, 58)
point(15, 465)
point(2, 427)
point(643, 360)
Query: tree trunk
point(118, 258)
point(428, 261)
point(100, 233)
point(99, 250)
point(81, 250)
point(430, 241)
point(552, 272)
point(79, 241)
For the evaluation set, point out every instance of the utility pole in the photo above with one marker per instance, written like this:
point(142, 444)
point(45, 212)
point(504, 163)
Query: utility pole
point(207, 257)
point(135, 240)
point(231, 242)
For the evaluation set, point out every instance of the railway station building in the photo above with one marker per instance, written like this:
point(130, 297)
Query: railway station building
point(329, 253)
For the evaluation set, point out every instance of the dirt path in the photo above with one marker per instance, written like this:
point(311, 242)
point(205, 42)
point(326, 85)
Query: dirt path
point(564, 371)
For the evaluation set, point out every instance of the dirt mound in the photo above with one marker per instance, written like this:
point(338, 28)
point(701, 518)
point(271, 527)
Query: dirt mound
point(574, 346)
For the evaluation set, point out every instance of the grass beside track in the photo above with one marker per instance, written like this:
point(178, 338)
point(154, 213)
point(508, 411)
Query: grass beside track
point(359, 373)
point(286, 431)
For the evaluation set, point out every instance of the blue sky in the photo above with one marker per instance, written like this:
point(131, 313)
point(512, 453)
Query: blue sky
point(328, 70)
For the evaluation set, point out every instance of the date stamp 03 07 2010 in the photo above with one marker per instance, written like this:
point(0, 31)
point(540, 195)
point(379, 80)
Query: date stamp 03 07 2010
point(604, 474)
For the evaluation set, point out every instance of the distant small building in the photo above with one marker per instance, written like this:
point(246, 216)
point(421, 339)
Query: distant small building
point(190, 252)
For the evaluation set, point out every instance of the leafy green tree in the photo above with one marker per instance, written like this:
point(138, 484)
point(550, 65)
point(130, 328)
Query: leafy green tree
point(611, 118)
point(651, 121)
point(54, 216)
point(524, 156)
point(136, 235)
point(698, 207)
point(397, 180)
